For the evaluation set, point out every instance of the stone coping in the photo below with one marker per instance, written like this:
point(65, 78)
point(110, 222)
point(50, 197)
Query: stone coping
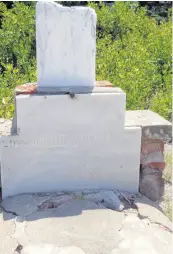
point(153, 125)
point(100, 87)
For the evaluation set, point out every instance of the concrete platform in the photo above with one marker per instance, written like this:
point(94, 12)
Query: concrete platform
point(73, 224)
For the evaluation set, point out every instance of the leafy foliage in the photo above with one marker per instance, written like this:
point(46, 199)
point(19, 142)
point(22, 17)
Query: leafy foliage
point(157, 9)
point(133, 52)
point(17, 52)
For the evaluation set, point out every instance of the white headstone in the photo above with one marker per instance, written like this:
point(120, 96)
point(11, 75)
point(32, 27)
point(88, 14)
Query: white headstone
point(66, 45)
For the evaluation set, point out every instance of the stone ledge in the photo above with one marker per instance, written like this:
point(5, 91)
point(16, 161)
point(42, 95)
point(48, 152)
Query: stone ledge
point(153, 125)
point(102, 86)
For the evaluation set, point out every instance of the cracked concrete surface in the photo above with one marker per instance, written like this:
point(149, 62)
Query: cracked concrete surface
point(80, 223)
point(7, 229)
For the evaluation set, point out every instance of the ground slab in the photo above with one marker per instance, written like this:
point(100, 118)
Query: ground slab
point(83, 222)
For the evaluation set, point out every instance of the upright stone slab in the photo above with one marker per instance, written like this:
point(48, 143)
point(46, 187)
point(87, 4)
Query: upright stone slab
point(66, 45)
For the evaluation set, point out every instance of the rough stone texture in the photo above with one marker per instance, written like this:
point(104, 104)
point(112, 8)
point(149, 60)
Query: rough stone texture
point(5, 127)
point(152, 166)
point(26, 204)
point(7, 228)
point(83, 227)
point(75, 226)
point(153, 125)
point(66, 45)
point(153, 157)
point(55, 201)
point(107, 198)
point(137, 238)
point(152, 153)
point(152, 183)
point(152, 212)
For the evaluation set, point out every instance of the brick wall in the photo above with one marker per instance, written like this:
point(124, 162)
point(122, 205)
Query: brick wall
point(152, 166)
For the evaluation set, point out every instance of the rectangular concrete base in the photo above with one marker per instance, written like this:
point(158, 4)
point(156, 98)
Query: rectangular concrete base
point(45, 165)
point(46, 115)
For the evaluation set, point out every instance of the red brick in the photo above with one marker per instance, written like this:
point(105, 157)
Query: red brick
point(150, 145)
point(158, 165)
point(103, 83)
point(30, 88)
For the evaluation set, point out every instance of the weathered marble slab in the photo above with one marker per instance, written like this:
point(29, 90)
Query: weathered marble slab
point(70, 163)
point(66, 45)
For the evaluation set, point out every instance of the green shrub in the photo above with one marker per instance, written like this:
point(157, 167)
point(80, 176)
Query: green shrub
point(133, 52)
point(17, 52)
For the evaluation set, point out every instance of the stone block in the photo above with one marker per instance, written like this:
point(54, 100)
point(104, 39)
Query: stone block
point(107, 198)
point(38, 165)
point(153, 125)
point(92, 113)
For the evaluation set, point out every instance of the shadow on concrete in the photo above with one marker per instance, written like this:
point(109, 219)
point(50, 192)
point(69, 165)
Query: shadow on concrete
point(71, 208)
point(14, 124)
point(32, 209)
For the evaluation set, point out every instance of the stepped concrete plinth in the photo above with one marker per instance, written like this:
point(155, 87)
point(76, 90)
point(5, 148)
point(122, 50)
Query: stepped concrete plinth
point(70, 132)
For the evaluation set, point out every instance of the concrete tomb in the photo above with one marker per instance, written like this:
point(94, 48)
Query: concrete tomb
point(69, 141)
